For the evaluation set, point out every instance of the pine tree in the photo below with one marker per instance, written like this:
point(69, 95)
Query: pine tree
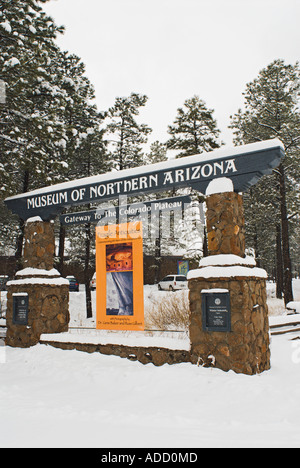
point(49, 129)
point(153, 244)
point(271, 111)
point(91, 160)
point(194, 130)
point(157, 153)
point(124, 134)
point(84, 153)
point(29, 131)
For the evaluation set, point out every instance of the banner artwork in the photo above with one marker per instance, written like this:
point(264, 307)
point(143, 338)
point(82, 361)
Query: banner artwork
point(119, 272)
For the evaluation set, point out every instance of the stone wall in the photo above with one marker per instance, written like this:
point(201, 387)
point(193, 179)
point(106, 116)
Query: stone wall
point(39, 245)
point(48, 311)
point(225, 224)
point(150, 355)
point(47, 292)
point(246, 348)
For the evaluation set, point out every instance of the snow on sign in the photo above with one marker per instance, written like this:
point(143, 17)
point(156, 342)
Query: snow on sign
point(244, 165)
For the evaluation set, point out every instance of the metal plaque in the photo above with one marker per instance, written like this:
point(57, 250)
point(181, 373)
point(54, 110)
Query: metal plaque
point(216, 311)
point(20, 309)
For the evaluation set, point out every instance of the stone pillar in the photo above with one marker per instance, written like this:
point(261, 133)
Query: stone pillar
point(39, 246)
point(225, 224)
point(245, 347)
point(41, 285)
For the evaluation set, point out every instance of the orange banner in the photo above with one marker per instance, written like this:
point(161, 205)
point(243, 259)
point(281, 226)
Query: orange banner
point(120, 277)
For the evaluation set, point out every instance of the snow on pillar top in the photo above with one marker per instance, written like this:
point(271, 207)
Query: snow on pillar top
point(221, 185)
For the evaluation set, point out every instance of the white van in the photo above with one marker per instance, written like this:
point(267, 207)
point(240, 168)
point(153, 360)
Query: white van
point(93, 283)
point(173, 283)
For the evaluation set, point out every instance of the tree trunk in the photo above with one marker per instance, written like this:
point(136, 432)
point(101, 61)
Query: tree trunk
point(158, 251)
point(89, 312)
point(256, 248)
point(287, 265)
point(205, 244)
point(279, 264)
point(61, 250)
point(19, 246)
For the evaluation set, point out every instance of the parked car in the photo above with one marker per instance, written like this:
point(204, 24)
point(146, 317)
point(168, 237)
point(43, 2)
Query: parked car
point(173, 283)
point(73, 284)
point(93, 283)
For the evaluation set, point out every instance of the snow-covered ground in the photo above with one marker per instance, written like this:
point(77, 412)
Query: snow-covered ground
point(55, 398)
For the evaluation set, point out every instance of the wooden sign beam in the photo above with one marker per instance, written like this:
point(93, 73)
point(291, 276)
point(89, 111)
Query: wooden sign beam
point(244, 165)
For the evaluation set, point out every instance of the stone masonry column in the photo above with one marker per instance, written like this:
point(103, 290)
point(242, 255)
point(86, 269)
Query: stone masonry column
point(39, 246)
point(225, 224)
point(226, 272)
point(38, 298)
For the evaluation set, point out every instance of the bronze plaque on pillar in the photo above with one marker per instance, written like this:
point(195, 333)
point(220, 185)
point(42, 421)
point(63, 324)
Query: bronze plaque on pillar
point(216, 311)
point(20, 309)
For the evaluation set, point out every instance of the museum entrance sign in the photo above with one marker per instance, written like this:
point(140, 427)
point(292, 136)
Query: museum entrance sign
point(244, 165)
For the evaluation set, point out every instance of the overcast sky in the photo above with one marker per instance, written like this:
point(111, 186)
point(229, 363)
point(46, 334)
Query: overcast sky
point(171, 50)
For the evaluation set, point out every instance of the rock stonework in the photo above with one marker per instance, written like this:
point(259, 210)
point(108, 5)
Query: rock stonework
point(47, 292)
point(39, 245)
point(246, 347)
point(48, 311)
point(145, 355)
point(225, 224)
